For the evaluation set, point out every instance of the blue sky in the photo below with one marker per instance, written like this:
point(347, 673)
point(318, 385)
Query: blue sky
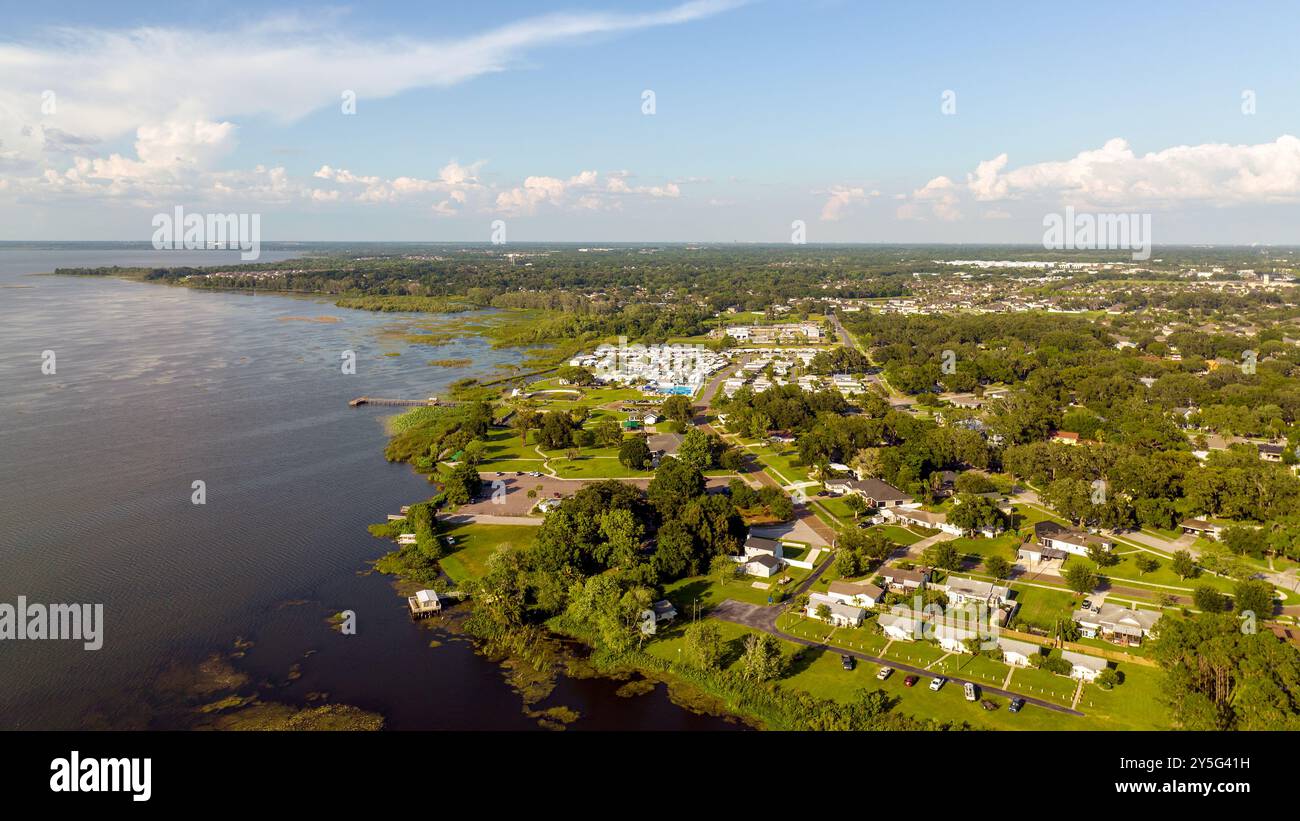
point(766, 112)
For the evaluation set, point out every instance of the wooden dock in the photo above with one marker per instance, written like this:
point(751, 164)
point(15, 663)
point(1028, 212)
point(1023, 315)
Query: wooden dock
point(431, 402)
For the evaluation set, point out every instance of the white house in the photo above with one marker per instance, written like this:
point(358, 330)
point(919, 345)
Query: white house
point(953, 637)
point(1084, 667)
point(1018, 653)
point(1120, 625)
point(424, 603)
point(758, 546)
point(1068, 539)
point(965, 591)
point(841, 614)
point(858, 594)
point(902, 580)
point(923, 518)
point(661, 611)
point(899, 628)
point(762, 565)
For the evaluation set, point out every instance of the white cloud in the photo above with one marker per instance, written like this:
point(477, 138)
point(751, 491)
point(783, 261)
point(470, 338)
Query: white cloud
point(1114, 176)
point(941, 197)
point(841, 198)
point(181, 91)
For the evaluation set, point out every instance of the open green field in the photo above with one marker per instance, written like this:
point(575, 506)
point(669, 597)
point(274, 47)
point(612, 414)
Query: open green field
point(476, 542)
point(1041, 607)
point(710, 592)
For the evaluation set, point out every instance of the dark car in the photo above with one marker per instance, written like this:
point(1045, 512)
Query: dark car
point(988, 705)
point(847, 662)
point(910, 681)
point(1016, 704)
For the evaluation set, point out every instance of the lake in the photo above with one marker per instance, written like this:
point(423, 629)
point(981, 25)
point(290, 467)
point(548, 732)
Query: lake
point(157, 387)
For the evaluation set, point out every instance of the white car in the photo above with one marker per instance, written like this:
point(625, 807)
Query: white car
point(937, 682)
point(969, 690)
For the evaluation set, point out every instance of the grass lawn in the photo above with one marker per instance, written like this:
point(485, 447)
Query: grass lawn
point(980, 669)
point(898, 535)
point(915, 653)
point(595, 467)
point(476, 542)
point(1032, 681)
point(1003, 545)
point(709, 591)
point(1041, 607)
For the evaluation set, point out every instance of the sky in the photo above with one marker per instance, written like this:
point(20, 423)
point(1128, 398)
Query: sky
point(651, 120)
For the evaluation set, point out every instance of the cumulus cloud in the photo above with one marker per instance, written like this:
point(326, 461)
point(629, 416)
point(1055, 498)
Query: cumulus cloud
point(1114, 176)
point(939, 197)
point(181, 91)
point(840, 198)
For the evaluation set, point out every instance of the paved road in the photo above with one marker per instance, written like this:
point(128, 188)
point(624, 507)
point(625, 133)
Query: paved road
point(764, 618)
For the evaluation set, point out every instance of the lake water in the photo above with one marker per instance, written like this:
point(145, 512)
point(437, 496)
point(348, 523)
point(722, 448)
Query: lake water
point(157, 387)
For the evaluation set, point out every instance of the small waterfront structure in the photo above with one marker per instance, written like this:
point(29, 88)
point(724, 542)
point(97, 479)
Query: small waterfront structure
point(424, 603)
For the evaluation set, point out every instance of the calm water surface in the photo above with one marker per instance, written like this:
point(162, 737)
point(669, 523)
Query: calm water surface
point(159, 386)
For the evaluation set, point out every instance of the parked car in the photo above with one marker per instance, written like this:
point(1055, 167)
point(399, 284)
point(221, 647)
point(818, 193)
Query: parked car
point(1016, 704)
point(848, 662)
point(1087, 604)
point(969, 690)
point(988, 705)
point(885, 672)
point(937, 682)
point(910, 681)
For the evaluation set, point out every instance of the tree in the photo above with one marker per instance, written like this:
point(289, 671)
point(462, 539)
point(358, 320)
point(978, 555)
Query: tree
point(1183, 565)
point(1080, 578)
point(524, 420)
point(705, 647)
point(696, 449)
point(972, 482)
point(856, 505)
point(1253, 596)
point(1109, 678)
point(1208, 599)
point(634, 453)
point(1146, 563)
point(824, 611)
point(1219, 678)
point(462, 484)
point(762, 658)
point(1101, 555)
point(556, 431)
point(607, 433)
point(847, 563)
point(942, 555)
point(675, 483)
point(868, 462)
point(724, 569)
point(997, 567)
point(974, 513)
point(674, 550)
point(574, 375)
point(678, 409)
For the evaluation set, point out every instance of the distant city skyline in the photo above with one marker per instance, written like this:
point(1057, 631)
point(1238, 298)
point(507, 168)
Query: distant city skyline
point(706, 121)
